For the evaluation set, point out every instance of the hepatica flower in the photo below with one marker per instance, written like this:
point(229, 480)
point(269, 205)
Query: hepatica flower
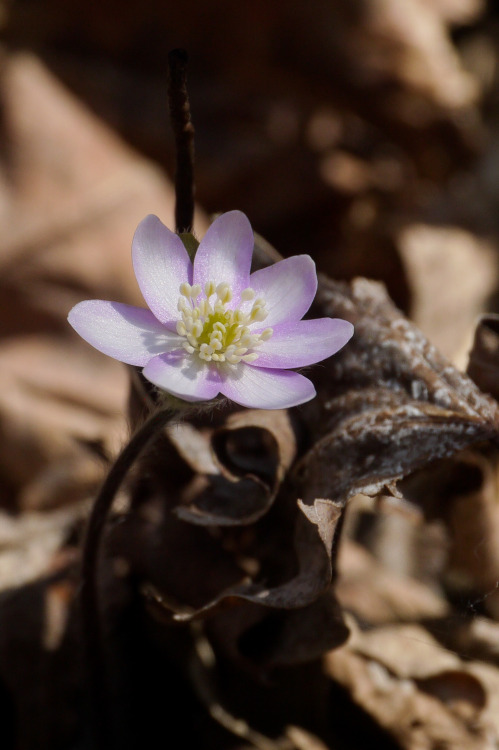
point(212, 327)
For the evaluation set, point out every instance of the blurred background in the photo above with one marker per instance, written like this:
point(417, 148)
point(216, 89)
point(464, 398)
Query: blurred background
point(365, 133)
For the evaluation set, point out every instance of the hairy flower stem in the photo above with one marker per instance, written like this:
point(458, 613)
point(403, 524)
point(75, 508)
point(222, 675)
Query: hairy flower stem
point(92, 631)
point(180, 114)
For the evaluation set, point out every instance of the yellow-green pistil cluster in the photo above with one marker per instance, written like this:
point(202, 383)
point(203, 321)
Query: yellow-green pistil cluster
point(216, 333)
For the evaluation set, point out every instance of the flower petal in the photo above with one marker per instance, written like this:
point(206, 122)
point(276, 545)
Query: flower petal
point(303, 342)
point(225, 252)
point(161, 264)
point(184, 376)
point(265, 389)
point(129, 334)
point(288, 288)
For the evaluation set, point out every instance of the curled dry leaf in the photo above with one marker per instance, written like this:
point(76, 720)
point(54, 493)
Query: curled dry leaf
point(473, 521)
point(269, 463)
point(311, 580)
point(252, 453)
point(462, 492)
point(230, 511)
point(267, 495)
point(388, 404)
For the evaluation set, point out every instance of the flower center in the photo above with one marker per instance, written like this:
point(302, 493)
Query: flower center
point(216, 333)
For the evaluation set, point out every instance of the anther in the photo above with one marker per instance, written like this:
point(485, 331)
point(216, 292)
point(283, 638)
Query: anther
point(209, 288)
point(247, 294)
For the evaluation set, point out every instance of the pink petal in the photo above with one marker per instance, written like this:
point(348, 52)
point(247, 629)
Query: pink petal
point(288, 288)
point(303, 342)
point(185, 376)
point(225, 252)
point(129, 334)
point(161, 265)
point(265, 389)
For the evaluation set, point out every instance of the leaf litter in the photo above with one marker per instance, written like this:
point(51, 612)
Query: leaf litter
point(338, 561)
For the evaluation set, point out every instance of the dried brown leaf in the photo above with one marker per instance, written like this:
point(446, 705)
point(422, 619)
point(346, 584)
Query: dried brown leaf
point(452, 274)
point(391, 403)
point(252, 452)
point(30, 543)
point(377, 595)
point(462, 492)
point(312, 579)
point(423, 695)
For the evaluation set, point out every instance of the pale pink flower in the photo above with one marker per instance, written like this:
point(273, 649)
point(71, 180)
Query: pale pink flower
point(212, 327)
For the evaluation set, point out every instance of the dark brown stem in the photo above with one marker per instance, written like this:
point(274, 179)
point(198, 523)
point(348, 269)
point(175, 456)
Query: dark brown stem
point(91, 619)
point(180, 114)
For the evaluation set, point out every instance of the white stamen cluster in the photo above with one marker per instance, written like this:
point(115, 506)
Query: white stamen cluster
point(216, 333)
